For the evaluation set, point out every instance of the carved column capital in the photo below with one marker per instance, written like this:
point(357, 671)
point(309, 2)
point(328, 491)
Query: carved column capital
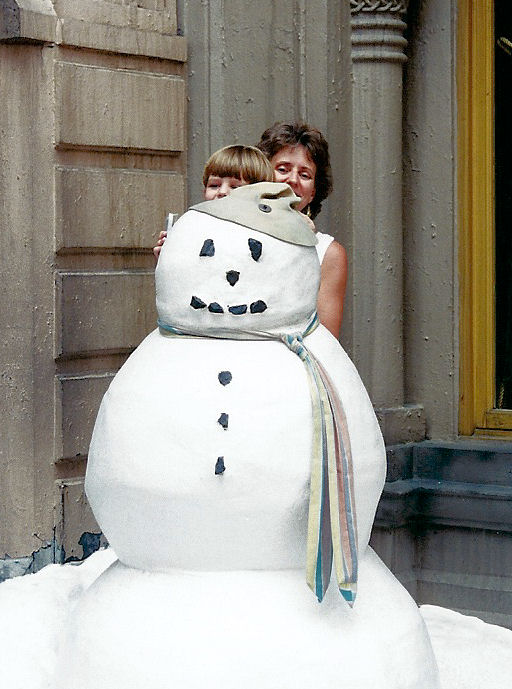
point(393, 6)
point(377, 30)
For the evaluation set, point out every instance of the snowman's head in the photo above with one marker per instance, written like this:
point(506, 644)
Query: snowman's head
point(246, 262)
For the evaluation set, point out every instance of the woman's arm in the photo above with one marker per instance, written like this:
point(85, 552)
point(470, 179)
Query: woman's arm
point(333, 283)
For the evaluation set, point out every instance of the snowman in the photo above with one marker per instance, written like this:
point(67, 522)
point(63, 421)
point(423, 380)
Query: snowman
point(236, 455)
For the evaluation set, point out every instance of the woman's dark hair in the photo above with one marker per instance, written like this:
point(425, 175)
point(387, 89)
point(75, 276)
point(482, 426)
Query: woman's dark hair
point(283, 134)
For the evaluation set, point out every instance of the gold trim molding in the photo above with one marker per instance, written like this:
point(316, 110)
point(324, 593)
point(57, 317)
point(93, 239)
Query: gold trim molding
point(475, 86)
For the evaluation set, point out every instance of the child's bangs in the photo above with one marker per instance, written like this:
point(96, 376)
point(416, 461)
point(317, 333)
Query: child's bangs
point(228, 167)
point(245, 163)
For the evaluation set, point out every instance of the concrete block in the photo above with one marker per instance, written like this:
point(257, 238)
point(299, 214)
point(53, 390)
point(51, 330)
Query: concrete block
point(77, 530)
point(122, 40)
point(29, 20)
point(78, 401)
point(463, 551)
point(109, 311)
point(397, 548)
point(485, 462)
point(150, 15)
point(422, 503)
point(113, 109)
point(438, 589)
point(398, 505)
point(399, 461)
point(114, 208)
point(471, 505)
point(402, 424)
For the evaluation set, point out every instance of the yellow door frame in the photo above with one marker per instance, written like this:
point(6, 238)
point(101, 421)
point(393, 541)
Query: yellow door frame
point(475, 96)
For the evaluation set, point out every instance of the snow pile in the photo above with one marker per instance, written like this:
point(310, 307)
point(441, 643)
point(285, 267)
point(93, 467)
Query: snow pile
point(470, 653)
point(33, 609)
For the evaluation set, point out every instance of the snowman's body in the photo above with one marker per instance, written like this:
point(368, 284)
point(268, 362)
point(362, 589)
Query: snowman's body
point(199, 477)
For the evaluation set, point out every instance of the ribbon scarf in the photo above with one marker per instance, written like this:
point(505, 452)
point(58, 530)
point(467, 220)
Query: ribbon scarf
point(332, 529)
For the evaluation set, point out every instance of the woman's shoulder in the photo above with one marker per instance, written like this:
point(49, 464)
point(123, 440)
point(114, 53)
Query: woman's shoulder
point(335, 258)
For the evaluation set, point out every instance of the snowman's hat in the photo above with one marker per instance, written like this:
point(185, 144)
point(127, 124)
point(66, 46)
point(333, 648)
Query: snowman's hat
point(269, 207)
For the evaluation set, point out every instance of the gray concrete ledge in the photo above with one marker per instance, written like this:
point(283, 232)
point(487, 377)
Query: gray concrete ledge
point(462, 483)
point(424, 503)
point(36, 21)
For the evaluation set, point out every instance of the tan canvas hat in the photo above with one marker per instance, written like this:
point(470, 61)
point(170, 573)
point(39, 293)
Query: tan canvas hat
point(268, 207)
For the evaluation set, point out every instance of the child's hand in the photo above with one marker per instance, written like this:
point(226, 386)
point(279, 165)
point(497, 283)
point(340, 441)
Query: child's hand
point(160, 243)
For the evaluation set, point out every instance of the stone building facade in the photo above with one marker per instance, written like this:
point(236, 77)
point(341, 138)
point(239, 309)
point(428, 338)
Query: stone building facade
point(113, 107)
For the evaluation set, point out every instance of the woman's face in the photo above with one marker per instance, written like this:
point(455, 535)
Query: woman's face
point(294, 165)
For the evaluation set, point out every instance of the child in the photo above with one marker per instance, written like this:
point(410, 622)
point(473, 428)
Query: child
point(229, 168)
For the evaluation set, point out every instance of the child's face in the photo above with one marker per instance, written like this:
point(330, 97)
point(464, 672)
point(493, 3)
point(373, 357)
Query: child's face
point(217, 187)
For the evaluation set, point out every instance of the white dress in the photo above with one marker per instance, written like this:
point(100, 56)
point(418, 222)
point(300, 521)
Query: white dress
point(324, 241)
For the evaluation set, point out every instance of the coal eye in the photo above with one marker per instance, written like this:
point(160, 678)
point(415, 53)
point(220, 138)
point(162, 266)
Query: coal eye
point(208, 248)
point(255, 246)
point(264, 207)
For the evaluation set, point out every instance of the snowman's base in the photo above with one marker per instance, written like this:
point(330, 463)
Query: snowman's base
point(256, 629)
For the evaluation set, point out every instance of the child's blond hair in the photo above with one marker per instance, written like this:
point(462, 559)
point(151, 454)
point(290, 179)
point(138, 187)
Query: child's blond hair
point(246, 163)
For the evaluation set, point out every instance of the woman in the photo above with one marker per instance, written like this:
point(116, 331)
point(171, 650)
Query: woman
point(299, 155)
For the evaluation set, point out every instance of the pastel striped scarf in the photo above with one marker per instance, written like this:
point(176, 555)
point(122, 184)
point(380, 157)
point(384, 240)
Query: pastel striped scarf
point(332, 529)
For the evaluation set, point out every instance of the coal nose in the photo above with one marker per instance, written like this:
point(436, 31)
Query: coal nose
point(232, 277)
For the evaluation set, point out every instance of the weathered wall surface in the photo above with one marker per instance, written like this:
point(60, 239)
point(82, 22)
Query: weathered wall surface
point(26, 303)
point(251, 64)
point(92, 146)
point(431, 301)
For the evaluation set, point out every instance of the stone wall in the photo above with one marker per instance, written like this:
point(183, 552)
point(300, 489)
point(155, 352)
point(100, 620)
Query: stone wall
point(251, 64)
point(431, 311)
point(93, 157)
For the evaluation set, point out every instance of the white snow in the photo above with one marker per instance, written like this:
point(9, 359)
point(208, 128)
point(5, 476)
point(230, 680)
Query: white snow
point(470, 653)
point(33, 610)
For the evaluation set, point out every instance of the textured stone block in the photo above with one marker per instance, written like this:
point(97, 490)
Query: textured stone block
point(75, 520)
point(114, 208)
point(485, 462)
point(404, 424)
point(114, 109)
point(97, 314)
point(78, 401)
point(149, 15)
point(123, 39)
point(31, 20)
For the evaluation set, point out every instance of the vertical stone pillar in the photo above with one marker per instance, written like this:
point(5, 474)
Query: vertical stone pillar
point(378, 46)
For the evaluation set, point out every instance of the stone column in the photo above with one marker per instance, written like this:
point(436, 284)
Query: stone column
point(378, 56)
